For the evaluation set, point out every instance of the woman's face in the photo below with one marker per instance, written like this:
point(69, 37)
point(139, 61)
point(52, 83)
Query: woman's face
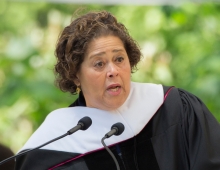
point(104, 75)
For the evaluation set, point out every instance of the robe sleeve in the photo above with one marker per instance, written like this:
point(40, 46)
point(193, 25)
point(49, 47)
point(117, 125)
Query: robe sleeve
point(201, 133)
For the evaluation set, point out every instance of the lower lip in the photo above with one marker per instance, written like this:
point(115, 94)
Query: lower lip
point(114, 93)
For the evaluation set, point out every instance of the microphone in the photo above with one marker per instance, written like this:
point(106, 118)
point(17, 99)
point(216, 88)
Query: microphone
point(83, 124)
point(116, 129)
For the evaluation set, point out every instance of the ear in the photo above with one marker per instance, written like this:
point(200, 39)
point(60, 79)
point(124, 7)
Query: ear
point(76, 80)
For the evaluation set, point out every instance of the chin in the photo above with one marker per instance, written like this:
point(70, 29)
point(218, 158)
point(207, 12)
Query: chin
point(113, 106)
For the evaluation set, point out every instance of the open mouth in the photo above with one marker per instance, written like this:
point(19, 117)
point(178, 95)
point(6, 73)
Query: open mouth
point(114, 88)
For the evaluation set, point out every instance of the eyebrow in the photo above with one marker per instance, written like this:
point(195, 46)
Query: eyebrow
point(101, 53)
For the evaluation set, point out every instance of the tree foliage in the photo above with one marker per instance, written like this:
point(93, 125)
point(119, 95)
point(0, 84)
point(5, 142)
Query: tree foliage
point(180, 46)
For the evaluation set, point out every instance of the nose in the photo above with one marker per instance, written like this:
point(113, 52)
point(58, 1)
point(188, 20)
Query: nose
point(112, 70)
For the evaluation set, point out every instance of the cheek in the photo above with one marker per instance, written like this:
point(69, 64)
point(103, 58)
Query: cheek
point(127, 76)
point(94, 76)
point(127, 70)
point(93, 79)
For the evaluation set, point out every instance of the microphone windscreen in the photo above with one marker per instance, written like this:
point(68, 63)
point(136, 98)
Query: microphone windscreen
point(85, 122)
point(119, 127)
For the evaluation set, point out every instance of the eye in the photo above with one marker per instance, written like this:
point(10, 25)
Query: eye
point(119, 59)
point(99, 64)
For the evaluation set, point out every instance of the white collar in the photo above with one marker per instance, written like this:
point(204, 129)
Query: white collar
point(142, 103)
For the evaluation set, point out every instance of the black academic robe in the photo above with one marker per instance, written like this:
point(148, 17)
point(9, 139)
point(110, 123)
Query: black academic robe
point(181, 135)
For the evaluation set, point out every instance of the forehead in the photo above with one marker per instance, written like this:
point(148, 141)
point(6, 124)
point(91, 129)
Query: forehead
point(104, 44)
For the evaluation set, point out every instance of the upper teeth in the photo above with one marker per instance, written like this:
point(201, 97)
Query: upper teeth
point(114, 89)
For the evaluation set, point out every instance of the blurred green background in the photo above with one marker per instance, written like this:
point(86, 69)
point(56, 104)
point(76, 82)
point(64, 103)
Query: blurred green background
point(180, 46)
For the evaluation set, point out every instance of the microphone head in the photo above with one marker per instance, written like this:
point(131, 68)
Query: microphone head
point(85, 123)
point(119, 128)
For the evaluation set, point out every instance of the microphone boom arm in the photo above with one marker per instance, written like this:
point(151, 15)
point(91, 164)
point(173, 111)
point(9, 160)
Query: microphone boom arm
point(22, 153)
point(109, 151)
point(83, 124)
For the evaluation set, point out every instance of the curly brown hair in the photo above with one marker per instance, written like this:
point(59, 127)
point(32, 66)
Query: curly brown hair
point(73, 43)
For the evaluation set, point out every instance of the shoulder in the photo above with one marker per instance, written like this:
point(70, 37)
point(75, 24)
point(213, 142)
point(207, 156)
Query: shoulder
point(189, 107)
point(171, 92)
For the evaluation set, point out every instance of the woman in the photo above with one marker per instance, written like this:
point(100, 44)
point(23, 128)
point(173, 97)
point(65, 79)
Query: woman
point(165, 128)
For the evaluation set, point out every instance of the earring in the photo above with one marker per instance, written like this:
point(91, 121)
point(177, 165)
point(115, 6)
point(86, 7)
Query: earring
point(78, 90)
